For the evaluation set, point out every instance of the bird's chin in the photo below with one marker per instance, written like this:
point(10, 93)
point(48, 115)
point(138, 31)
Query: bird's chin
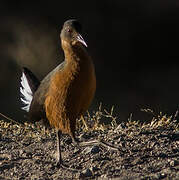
point(65, 44)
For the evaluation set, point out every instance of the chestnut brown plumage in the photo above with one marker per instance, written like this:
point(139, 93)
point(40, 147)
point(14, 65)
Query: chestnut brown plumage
point(66, 92)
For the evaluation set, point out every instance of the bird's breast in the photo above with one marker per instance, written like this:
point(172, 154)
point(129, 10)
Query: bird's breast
point(71, 92)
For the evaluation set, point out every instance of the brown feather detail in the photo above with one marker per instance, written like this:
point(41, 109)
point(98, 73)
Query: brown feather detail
point(37, 110)
point(71, 90)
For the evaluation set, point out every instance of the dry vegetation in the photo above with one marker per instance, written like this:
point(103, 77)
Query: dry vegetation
point(129, 150)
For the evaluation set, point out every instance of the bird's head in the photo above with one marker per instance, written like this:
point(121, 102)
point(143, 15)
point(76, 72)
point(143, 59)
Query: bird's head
point(71, 34)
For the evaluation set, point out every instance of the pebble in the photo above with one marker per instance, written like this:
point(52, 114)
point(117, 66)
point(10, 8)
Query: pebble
point(86, 173)
point(21, 152)
point(95, 169)
point(174, 163)
point(103, 176)
point(95, 149)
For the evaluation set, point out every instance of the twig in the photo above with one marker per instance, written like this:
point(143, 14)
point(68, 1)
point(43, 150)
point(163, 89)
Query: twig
point(176, 114)
point(10, 119)
point(84, 123)
point(105, 144)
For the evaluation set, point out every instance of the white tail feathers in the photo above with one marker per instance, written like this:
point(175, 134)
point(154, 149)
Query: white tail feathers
point(26, 93)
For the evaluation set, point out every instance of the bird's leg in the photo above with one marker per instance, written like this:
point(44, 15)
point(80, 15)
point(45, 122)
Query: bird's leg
point(74, 139)
point(59, 156)
point(84, 122)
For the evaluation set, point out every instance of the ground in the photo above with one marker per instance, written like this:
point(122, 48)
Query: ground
point(128, 150)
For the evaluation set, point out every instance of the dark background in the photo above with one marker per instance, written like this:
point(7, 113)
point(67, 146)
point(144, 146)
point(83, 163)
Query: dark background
point(134, 45)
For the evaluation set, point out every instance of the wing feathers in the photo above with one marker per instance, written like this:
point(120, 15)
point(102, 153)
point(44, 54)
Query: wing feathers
point(29, 84)
point(26, 93)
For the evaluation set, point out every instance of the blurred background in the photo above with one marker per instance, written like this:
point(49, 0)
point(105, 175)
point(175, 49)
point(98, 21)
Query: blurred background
point(134, 45)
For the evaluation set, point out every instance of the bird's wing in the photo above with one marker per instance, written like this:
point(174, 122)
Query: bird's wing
point(37, 110)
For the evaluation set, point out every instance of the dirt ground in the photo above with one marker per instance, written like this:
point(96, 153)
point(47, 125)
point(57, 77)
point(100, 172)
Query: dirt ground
point(129, 150)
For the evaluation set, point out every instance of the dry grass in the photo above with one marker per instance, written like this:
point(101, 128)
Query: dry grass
point(130, 149)
point(92, 122)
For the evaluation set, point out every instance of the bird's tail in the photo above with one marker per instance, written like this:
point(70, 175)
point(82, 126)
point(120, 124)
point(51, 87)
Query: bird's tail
point(29, 84)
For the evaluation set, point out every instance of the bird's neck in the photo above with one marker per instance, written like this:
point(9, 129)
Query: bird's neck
point(74, 53)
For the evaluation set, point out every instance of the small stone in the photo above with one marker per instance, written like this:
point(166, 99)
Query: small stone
point(21, 152)
point(103, 176)
point(174, 163)
point(95, 149)
point(162, 175)
point(86, 173)
point(29, 154)
point(116, 138)
point(95, 169)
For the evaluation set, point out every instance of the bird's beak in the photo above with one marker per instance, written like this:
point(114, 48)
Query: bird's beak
point(80, 39)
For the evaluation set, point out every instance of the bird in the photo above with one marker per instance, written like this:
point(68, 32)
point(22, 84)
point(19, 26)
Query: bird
point(66, 93)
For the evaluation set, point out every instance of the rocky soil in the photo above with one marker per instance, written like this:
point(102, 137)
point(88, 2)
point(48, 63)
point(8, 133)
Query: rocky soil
point(129, 150)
